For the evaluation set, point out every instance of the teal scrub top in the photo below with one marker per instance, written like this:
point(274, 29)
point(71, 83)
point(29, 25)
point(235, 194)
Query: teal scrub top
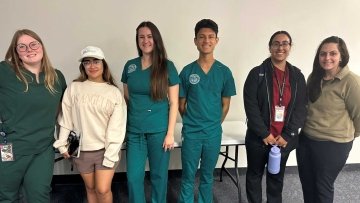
point(144, 114)
point(203, 94)
point(28, 117)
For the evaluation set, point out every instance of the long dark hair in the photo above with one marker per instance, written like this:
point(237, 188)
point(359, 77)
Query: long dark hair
point(159, 73)
point(314, 81)
point(106, 75)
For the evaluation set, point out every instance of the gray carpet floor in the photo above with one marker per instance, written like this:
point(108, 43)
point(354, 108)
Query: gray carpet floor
point(68, 189)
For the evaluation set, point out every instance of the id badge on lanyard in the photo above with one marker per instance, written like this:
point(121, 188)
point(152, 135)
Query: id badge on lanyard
point(280, 109)
point(6, 149)
point(279, 113)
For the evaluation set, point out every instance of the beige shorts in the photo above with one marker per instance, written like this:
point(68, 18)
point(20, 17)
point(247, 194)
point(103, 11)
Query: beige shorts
point(90, 161)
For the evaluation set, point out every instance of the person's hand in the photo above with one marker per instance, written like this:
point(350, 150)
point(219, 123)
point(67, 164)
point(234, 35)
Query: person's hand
point(270, 139)
point(281, 142)
point(168, 142)
point(66, 155)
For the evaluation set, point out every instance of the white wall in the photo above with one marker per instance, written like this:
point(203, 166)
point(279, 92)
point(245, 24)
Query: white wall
point(245, 28)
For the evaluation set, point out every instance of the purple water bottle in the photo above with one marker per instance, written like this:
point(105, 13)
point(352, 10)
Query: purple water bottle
point(274, 160)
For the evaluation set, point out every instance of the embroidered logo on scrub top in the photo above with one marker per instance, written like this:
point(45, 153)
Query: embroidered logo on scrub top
point(194, 79)
point(131, 68)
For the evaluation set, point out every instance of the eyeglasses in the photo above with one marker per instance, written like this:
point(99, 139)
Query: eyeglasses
point(331, 54)
point(277, 45)
point(94, 62)
point(23, 47)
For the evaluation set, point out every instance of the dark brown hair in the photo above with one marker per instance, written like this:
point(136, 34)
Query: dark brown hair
point(314, 81)
point(278, 33)
point(206, 23)
point(106, 75)
point(159, 74)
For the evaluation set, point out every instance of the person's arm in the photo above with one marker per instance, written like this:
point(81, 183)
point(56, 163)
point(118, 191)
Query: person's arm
point(225, 107)
point(173, 94)
point(255, 122)
point(182, 105)
point(182, 92)
point(66, 124)
point(62, 82)
point(115, 132)
point(126, 93)
point(352, 103)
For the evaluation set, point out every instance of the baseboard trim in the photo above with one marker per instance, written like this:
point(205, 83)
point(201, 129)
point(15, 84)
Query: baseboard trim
point(121, 176)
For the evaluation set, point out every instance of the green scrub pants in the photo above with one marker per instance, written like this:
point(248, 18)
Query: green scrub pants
point(31, 172)
point(141, 146)
point(192, 151)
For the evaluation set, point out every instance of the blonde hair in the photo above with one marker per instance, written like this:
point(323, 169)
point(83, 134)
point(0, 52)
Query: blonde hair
point(13, 59)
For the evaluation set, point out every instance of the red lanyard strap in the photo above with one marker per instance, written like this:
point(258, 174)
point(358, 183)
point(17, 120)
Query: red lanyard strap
point(281, 90)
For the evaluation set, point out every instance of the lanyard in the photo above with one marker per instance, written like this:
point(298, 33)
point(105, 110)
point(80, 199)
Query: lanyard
point(2, 131)
point(281, 90)
point(3, 134)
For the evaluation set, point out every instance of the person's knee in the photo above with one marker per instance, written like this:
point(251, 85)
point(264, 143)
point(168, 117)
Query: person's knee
point(135, 179)
point(90, 189)
point(8, 196)
point(38, 193)
point(207, 178)
point(188, 177)
point(102, 192)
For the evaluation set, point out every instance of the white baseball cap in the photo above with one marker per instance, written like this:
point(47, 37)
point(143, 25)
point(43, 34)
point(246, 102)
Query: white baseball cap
point(92, 51)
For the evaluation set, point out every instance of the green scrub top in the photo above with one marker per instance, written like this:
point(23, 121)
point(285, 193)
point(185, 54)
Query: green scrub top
point(28, 117)
point(203, 93)
point(144, 114)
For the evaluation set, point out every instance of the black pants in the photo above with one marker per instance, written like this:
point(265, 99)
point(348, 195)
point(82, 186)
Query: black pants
point(257, 158)
point(319, 163)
